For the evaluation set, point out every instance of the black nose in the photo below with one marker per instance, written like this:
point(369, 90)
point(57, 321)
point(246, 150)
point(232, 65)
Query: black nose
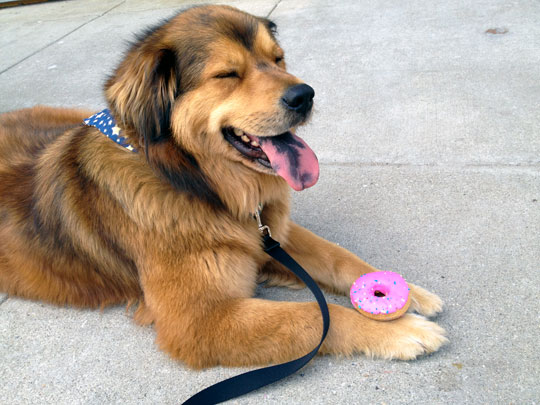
point(299, 98)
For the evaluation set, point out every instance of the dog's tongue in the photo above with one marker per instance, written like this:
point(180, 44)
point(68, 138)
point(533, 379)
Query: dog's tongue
point(292, 159)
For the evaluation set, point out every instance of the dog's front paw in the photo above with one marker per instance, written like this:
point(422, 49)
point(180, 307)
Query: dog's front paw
point(424, 302)
point(407, 337)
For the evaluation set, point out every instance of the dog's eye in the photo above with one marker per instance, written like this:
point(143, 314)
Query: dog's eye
point(279, 59)
point(224, 75)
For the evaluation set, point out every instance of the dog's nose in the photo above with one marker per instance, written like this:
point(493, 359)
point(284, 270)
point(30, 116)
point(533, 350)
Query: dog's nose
point(299, 98)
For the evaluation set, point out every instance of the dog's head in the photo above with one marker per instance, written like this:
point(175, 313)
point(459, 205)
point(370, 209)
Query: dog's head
point(211, 83)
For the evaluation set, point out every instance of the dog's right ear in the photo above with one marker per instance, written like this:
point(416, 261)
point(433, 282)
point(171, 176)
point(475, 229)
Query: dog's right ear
point(270, 26)
point(142, 90)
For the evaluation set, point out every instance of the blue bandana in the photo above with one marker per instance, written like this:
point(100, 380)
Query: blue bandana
point(106, 123)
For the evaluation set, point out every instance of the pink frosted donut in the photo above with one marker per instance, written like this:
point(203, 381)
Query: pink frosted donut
point(382, 295)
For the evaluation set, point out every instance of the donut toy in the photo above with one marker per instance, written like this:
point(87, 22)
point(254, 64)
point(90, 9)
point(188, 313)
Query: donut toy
point(382, 295)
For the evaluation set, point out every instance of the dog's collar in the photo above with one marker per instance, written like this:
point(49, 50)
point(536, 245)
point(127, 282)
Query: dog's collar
point(263, 229)
point(106, 123)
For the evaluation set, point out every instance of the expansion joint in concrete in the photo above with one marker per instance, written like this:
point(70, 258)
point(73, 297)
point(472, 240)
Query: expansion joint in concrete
point(449, 165)
point(273, 8)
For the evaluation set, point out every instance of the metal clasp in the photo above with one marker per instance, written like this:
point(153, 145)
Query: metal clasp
point(264, 229)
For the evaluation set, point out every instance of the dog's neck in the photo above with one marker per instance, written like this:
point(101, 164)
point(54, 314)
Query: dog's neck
point(241, 195)
point(246, 188)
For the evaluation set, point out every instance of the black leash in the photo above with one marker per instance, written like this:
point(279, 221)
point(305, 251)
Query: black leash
point(252, 380)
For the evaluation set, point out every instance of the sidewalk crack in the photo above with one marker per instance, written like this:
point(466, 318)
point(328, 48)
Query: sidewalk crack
point(62, 37)
point(532, 167)
point(273, 8)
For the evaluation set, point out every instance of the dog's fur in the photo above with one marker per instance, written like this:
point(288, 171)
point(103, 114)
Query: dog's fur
point(84, 222)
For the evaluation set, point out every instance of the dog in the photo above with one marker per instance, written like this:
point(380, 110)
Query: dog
point(207, 102)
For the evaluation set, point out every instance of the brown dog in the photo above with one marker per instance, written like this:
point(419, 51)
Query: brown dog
point(208, 103)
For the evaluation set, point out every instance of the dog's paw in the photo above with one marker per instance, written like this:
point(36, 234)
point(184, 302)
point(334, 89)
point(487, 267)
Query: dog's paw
point(407, 337)
point(424, 302)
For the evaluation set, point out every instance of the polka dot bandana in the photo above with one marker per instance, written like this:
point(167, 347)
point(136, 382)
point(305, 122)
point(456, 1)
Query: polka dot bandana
point(105, 122)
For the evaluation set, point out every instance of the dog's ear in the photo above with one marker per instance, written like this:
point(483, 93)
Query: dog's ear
point(270, 26)
point(141, 95)
point(142, 91)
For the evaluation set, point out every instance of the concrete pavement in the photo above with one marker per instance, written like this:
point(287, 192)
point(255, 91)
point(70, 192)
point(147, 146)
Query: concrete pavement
point(427, 130)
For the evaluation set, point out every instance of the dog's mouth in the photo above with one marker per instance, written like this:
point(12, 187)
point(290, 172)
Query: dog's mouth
point(287, 154)
point(248, 145)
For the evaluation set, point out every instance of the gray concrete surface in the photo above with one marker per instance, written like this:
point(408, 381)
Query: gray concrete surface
point(427, 130)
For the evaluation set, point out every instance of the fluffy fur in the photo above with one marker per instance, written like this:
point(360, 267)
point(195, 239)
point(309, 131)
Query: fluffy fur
point(86, 223)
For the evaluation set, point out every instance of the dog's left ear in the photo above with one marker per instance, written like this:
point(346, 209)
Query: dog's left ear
point(142, 91)
point(141, 95)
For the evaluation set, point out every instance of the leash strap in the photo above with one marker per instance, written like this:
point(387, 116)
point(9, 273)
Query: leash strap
point(252, 380)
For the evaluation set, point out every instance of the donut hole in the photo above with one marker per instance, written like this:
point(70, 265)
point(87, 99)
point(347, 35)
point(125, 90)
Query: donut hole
point(378, 293)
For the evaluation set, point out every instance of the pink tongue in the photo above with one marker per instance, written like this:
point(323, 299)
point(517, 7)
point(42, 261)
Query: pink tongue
point(292, 159)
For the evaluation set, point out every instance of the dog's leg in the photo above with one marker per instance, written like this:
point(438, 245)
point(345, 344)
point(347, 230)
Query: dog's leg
point(335, 268)
point(143, 316)
point(203, 317)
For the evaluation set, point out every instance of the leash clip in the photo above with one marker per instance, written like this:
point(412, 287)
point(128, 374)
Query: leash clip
point(263, 229)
